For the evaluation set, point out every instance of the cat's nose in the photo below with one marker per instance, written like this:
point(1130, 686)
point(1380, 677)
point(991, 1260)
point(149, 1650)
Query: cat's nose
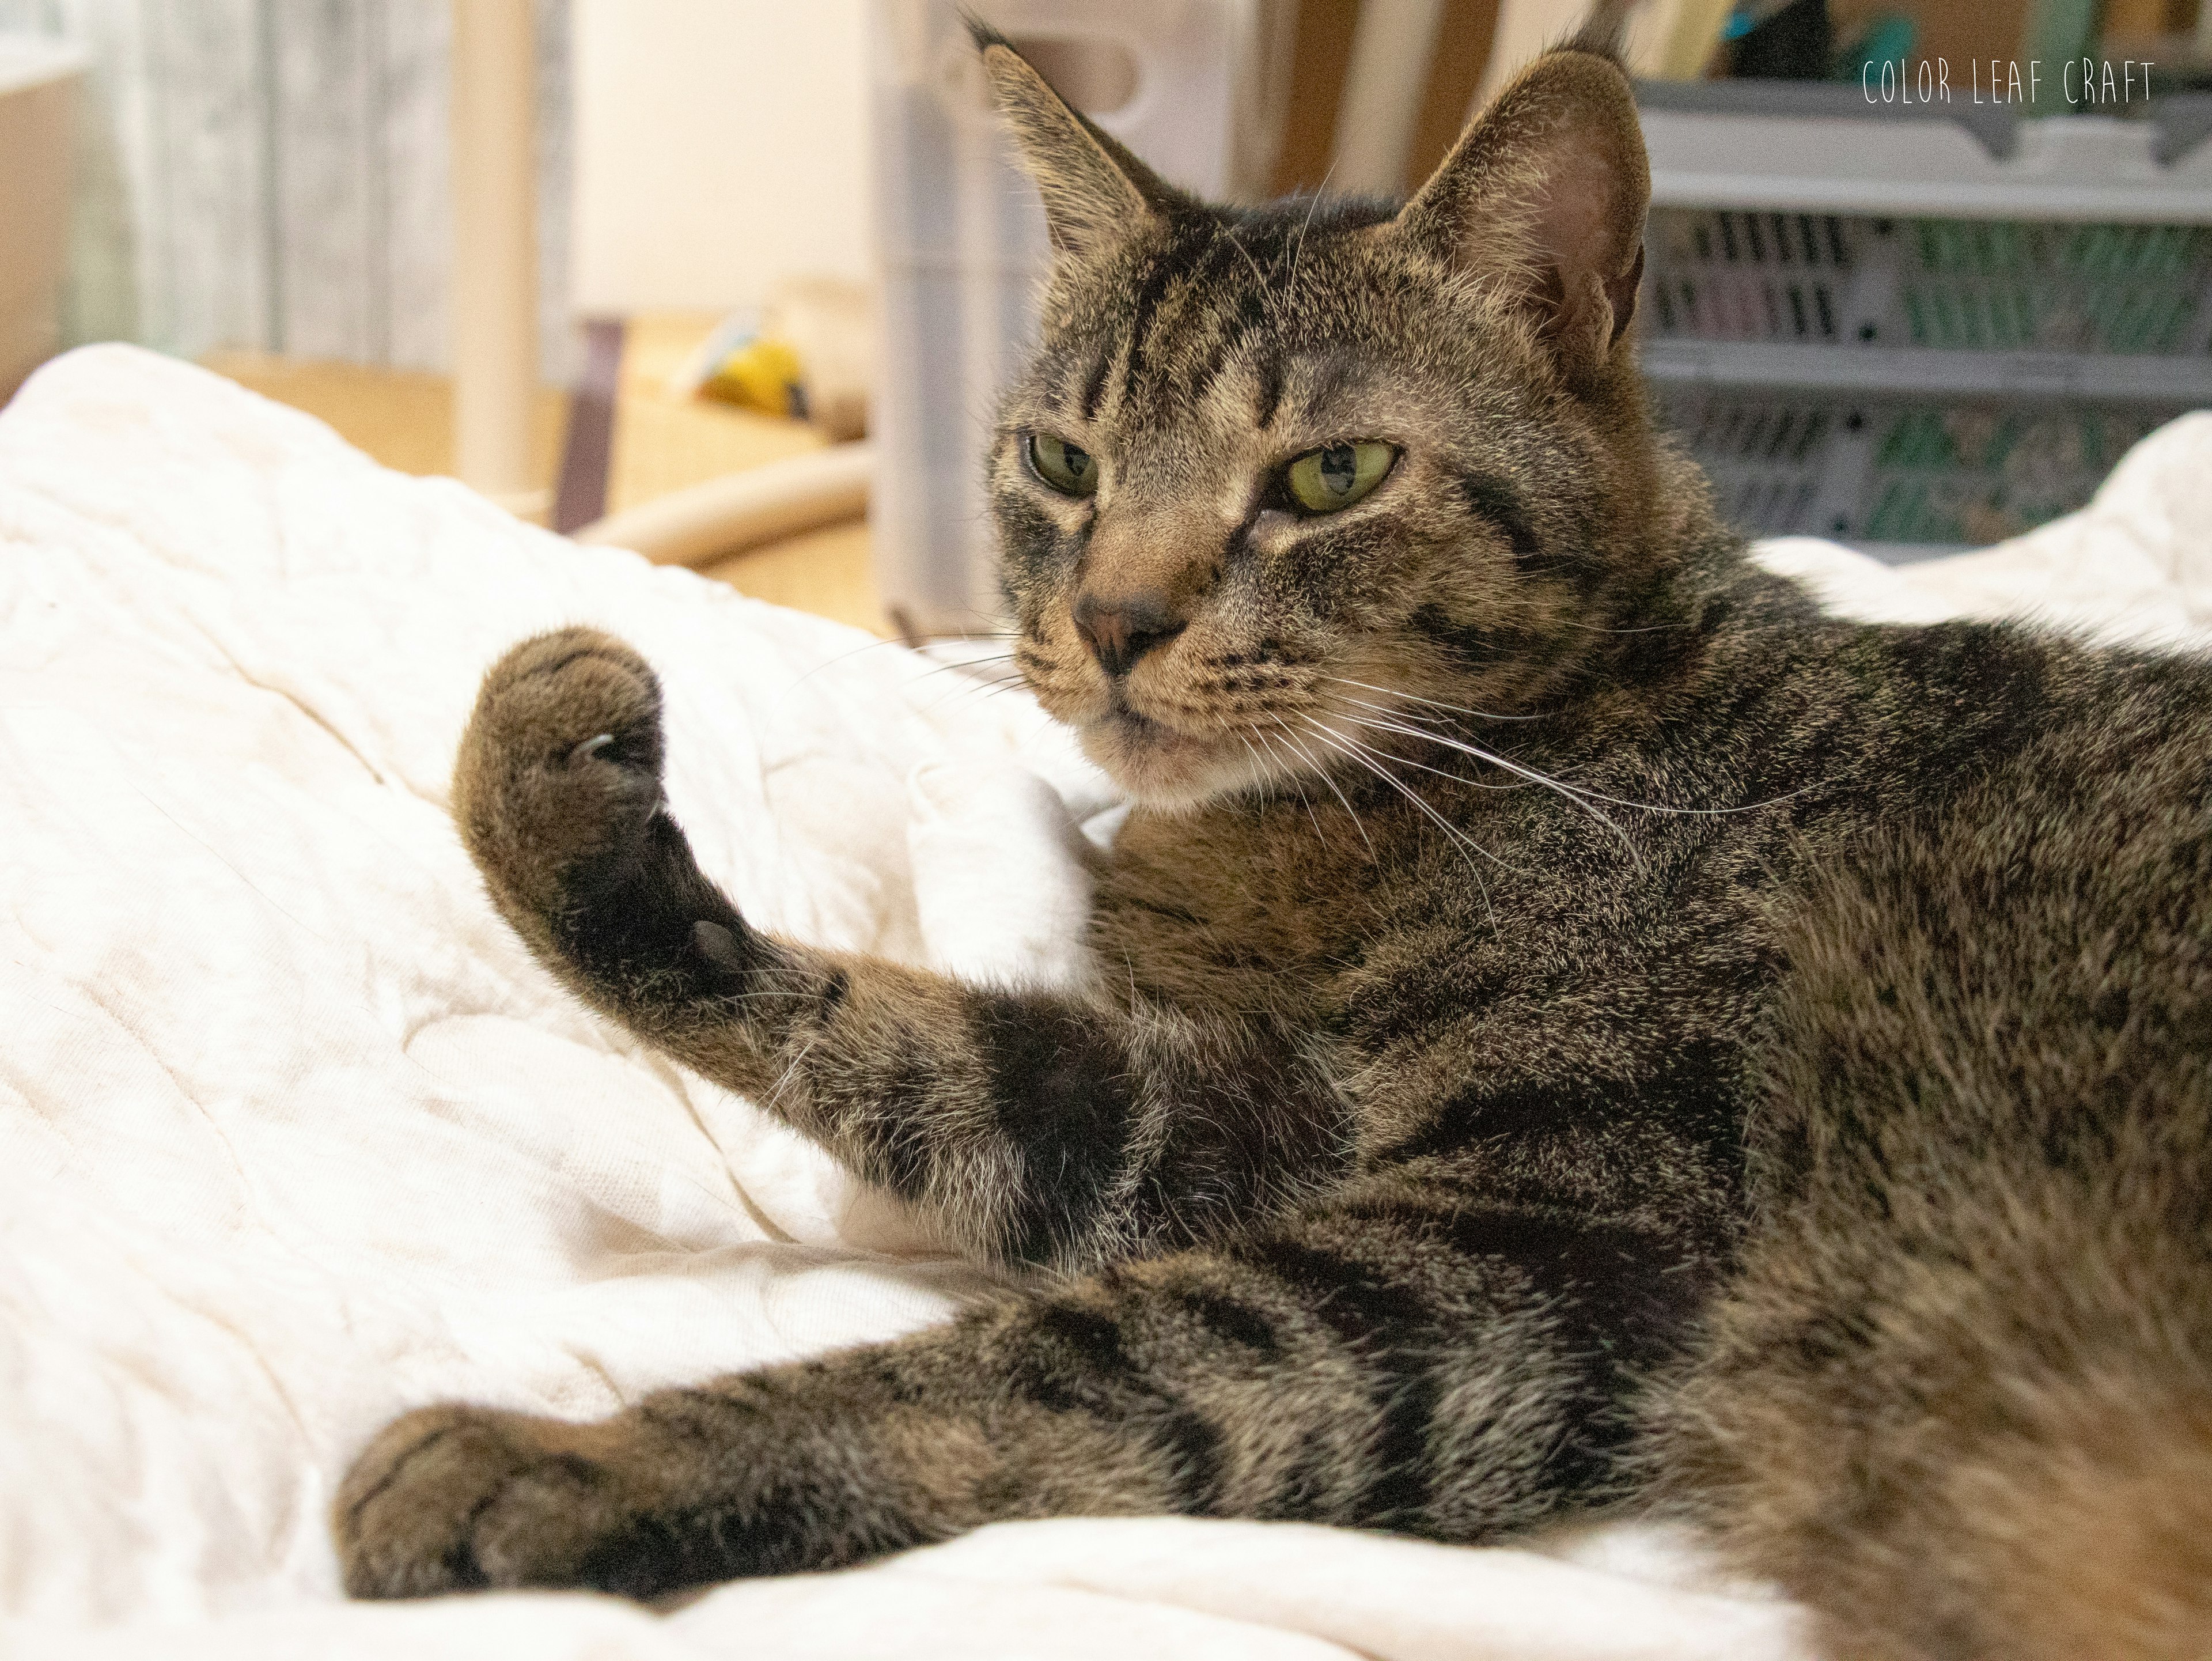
point(1119, 631)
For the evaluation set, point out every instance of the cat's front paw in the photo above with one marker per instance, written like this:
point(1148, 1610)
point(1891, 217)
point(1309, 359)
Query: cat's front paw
point(460, 1499)
point(559, 770)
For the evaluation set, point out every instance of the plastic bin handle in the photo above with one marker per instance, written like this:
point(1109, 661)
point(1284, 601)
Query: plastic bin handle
point(1993, 126)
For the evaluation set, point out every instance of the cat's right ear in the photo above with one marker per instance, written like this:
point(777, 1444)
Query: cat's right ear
point(1544, 196)
point(1095, 190)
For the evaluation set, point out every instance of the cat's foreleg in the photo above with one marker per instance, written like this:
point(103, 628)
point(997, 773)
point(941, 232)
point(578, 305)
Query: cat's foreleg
point(1034, 1127)
point(1409, 1359)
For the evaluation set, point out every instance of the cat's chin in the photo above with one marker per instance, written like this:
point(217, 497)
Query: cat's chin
point(1165, 771)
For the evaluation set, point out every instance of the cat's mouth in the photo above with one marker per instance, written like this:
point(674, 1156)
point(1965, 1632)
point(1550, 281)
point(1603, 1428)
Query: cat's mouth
point(1161, 765)
point(1137, 734)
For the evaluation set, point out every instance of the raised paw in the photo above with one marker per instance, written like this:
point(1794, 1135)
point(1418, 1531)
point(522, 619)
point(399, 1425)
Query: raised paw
point(457, 1499)
point(559, 769)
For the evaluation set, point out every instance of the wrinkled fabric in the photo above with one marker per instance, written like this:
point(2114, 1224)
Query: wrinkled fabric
point(293, 1134)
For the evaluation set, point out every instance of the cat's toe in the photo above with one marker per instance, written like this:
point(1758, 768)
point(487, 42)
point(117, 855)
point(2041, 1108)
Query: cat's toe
point(458, 1499)
point(560, 764)
point(556, 694)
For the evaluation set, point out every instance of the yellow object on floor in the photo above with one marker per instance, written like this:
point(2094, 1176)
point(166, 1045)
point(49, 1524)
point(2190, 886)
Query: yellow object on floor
point(664, 443)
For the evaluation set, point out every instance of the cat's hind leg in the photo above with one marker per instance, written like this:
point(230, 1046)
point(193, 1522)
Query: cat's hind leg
point(1411, 1360)
point(1959, 1400)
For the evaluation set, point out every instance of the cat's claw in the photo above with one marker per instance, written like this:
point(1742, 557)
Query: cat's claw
point(560, 767)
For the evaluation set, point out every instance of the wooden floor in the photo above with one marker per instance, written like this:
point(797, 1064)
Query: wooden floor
point(662, 442)
point(403, 419)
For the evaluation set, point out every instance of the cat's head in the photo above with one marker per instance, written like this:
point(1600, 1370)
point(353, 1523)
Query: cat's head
point(1274, 473)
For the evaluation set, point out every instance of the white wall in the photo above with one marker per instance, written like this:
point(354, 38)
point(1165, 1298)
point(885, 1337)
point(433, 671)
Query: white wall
point(719, 144)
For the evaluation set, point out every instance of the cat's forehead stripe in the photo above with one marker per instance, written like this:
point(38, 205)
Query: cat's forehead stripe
point(1177, 271)
point(1094, 385)
point(1150, 291)
point(1267, 371)
point(1500, 503)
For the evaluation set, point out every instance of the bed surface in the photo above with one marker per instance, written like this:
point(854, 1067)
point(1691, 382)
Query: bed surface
point(293, 1134)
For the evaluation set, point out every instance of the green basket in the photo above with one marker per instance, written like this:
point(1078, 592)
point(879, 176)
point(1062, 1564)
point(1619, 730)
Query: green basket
point(1948, 285)
point(1943, 472)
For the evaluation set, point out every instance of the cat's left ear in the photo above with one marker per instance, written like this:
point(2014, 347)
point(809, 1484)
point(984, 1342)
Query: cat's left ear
point(1545, 193)
point(1095, 190)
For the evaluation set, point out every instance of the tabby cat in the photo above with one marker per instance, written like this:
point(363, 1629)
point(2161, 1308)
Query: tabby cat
point(1574, 1026)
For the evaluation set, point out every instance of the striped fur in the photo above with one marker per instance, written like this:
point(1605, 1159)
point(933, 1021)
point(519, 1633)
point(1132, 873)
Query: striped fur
point(1768, 1080)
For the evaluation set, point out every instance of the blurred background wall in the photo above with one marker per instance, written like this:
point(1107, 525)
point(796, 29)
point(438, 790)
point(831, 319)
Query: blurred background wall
point(722, 145)
point(271, 175)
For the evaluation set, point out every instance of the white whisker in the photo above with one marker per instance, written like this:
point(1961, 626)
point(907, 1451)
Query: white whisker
point(1451, 831)
point(1350, 812)
point(1424, 725)
point(968, 666)
point(1237, 243)
point(1582, 792)
point(1412, 698)
point(831, 662)
point(1567, 792)
point(1304, 801)
point(1298, 251)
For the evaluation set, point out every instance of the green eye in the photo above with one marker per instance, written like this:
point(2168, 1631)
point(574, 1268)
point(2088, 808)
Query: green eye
point(1322, 481)
point(1070, 470)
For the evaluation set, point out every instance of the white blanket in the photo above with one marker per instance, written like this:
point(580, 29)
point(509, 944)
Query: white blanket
point(293, 1134)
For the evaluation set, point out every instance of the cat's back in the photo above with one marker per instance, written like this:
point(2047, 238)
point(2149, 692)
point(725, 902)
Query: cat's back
point(2038, 937)
point(1980, 1155)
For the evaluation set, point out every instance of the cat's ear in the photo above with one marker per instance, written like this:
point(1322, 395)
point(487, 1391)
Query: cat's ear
point(1095, 190)
point(1545, 194)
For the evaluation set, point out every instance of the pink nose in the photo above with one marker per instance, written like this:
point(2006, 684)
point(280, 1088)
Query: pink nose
point(1119, 632)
